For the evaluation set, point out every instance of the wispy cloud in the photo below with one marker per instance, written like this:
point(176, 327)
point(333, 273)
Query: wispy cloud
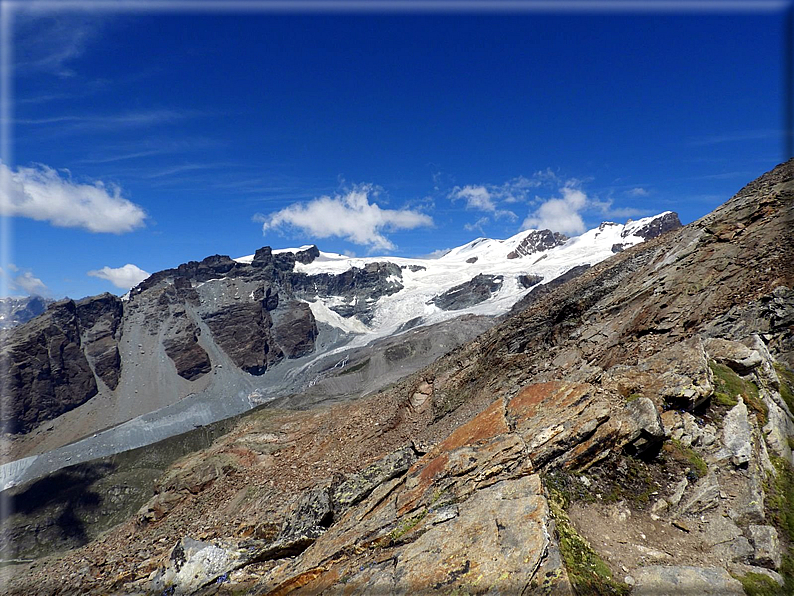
point(350, 216)
point(124, 156)
point(31, 284)
point(734, 137)
point(477, 225)
point(50, 43)
point(43, 194)
point(637, 192)
point(488, 197)
point(24, 281)
point(124, 277)
point(92, 122)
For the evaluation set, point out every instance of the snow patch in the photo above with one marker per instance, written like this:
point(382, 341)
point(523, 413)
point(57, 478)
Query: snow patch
point(324, 314)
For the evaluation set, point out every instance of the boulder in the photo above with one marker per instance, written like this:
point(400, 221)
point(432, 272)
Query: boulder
point(737, 356)
point(647, 428)
point(766, 544)
point(657, 580)
point(737, 436)
point(358, 486)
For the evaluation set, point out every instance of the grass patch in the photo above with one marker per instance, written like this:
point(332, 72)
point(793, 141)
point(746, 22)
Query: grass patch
point(728, 386)
point(633, 396)
point(786, 378)
point(723, 399)
point(686, 455)
point(780, 511)
point(587, 572)
point(758, 584)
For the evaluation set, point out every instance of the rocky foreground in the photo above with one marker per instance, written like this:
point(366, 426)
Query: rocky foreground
point(630, 431)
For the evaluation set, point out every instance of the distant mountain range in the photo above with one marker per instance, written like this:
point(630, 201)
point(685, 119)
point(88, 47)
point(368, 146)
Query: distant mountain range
point(213, 338)
point(17, 310)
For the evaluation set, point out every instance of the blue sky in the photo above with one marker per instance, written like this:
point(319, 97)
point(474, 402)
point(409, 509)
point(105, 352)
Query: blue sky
point(141, 140)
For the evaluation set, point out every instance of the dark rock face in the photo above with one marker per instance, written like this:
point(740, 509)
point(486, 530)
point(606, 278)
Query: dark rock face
point(537, 241)
point(181, 346)
point(527, 281)
point(657, 227)
point(100, 325)
point(295, 329)
point(476, 290)
point(15, 311)
point(46, 372)
point(360, 287)
point(243, 332)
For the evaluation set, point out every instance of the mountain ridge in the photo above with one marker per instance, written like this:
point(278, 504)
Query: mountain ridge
point(629, 431)
point(187, 332)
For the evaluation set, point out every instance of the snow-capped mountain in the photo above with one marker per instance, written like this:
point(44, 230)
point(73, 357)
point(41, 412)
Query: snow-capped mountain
point(213, 338)
point(15, 310)
point(488, 276)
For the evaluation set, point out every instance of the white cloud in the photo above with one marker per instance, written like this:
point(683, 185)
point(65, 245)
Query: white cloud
point(476, 197)
point(486, 197)
point(638, 192)
point(124, 277)
point(351, 216)
point(30, 284)
point(24, 280)
point(477, 225)
point(41, 193)
point(560, 214)
point(437, 254)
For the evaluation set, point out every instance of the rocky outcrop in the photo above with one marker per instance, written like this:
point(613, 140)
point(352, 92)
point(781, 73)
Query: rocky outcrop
point(182, 347)
point(476, 290)
point(656, 580)
point(357, 288)
point(243, 332)
point(658, 226)
point(537, 241)
point(46, 371)
point(100, 327)
point(294, 329)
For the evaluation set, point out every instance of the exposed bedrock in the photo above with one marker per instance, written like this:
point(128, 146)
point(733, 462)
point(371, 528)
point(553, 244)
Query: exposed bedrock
point(181, 345)
point(476, 290)
point(243, 332)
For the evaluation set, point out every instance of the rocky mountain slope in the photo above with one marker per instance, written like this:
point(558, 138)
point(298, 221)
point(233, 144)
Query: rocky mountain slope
point(211, 339)
point(629, 431)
